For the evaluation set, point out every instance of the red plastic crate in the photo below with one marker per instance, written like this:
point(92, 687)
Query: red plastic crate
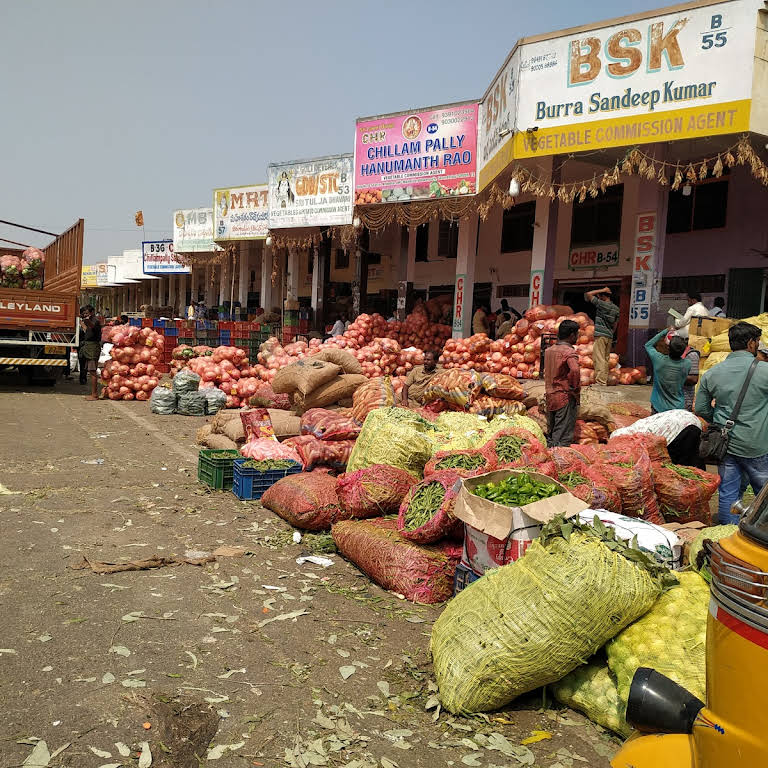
point(162, 367)
point(240, 326)
point(226, 325)
point(146, 322)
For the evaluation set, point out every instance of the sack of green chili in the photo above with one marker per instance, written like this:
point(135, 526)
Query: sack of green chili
point(466, 463)
point(684, 492)
point(512, 447)
point(421, 573)
point(426, 513)
point(530, 623)
point(594, 488)
point(500, 525)
point(568, 460)
point(633, 476)
point(374, 491)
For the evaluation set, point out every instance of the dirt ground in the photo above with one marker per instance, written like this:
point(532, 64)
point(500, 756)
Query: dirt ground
point(251, 660)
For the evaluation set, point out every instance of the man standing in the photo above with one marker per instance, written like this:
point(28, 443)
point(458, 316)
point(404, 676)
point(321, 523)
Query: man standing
point(417, 380)
point(695, 309)
point(562, 381)
point(91, 347)
point(748, 438)
point(606, 319)
point(338, 327)
point(480, 320)
point(670, 373)
point(718, 309)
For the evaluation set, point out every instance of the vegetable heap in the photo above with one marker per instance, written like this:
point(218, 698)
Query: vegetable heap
point(230, 454)
point(516, 490)
point(509, 448)
point(461, 461)
point(423, 506)
point(266, 464)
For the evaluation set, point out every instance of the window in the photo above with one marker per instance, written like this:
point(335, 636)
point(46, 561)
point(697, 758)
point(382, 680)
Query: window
point(598, 219)
point(448, 239)
point(704, 208)
point(342, 258)
point(698, 284)
point(517, 229)
point(422, 242)
point(520, 291)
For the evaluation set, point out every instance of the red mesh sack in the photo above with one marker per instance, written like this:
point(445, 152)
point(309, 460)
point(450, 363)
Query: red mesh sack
point(633, 476)
point(488, 406)
point(426, 513)
point(377, 393)
point(262, 449)
point(329, 425)
point(568, 460)
point(423, 574)
point(373, 491)
point(513, 447)
point(630, 409)
point(321, 453)
point(594, 488)
point(592, 454)
point(684, 492)
point(634, 445)
point(307, 500)
point(622, 421)
point(466, 463)
point(504, 386)
point(267, 397)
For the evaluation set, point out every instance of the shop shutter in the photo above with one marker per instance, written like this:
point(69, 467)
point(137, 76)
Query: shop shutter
point(745, 292)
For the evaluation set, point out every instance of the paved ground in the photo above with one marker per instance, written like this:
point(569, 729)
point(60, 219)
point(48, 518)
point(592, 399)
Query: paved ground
point(243, 654)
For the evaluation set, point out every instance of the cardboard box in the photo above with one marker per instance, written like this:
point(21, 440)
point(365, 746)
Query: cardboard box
point(709, 326)
point(495, 534)
point(687, 533)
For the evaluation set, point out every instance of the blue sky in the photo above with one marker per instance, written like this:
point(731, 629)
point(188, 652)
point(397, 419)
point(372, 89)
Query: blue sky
point(112, 107)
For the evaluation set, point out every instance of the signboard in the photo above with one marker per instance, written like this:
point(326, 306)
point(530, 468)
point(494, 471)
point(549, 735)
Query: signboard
point(416, 155)
point(193, 231)
point(241, 213)
point(95, 275)
point(537, 279)
point(458, 306)
point(594, 257)
point(311, 193)
point(497, 123)
point(642, 270)
point(680, 75)
point(157, 259)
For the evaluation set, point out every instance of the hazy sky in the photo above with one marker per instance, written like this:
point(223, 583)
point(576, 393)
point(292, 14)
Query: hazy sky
point(109, 107)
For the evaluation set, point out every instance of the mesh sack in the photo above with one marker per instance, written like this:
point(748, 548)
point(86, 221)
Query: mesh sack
point(684, 492)
point(465, 463)
point(635, 410)
point(191, 404)
point(377, 393)
point(423, 574)
point(329, 425)
point(307, 500)
point(162, 401)
point(591, 688)
point(262, 448)
point(654, 445)
point(426, 513)
point(670, 638)
point(530, 623)
point(393, 436)
point(696, 553)
point(266, 397)
point(455, 386)
point(512, 447)
point(633, 476)
point(593, 488)
point(215, 400)
point(321, 453)
point(503, 386)
point(373, 491)
point(488, 406)
point(568, 460)
point(503, 422)
point(185, 381)
point(456, 422)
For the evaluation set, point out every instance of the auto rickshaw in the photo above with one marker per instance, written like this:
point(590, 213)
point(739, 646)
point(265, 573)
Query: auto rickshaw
point(674, 729)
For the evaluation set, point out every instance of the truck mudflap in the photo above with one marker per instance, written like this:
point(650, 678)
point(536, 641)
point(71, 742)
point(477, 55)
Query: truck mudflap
point(45, 361)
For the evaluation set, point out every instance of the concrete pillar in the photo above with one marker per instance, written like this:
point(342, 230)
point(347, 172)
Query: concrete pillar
point(404, 245)
point(224, 278)
point(318, 285)
point(465, 277)
point(182, 295)
point(210, 295)
point(544, 241)
point(244, 274)
point(265, 294)
point(292, 284)
point(172, 295)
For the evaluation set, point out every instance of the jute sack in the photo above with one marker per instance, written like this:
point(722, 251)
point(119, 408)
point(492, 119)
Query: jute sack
point(221, 418)
point(202, 433)
point(345, 360)
point(220, 443)
point(304, 376)
point(340, 388)
point(234, 430)
point(284, 423)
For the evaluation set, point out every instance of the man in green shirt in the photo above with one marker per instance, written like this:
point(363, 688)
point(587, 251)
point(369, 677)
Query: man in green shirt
point(748, 442)
point(606, 318)
point(669, 373)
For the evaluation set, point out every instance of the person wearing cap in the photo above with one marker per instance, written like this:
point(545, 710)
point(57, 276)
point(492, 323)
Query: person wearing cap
point(606, 319)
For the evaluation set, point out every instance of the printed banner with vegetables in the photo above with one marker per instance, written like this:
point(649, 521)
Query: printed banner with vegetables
point(311, 193)
point(416, 155)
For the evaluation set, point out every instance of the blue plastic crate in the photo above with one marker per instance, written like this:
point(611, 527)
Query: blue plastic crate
point(158, 324)
point(135, 321)
point(249, 484)
point(171, 331)
point(463, 578)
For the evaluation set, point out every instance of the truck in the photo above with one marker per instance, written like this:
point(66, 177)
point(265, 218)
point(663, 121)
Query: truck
point(40, 328)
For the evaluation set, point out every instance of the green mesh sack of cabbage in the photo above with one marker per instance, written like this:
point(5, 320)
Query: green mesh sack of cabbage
point(696, 554)
point(591, 688)
point(530, 623)
point(671, 638)
point(393, 436)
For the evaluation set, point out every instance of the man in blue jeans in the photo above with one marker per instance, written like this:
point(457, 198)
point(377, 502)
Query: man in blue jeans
point(748, 443)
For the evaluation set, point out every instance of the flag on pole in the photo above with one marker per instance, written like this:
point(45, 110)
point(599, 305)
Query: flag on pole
point(139, 218)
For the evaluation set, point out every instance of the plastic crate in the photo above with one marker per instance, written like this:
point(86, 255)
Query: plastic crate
point(146, 322)
point(162, 367)
point(217, 473)
point(188, 340)
point(171, 332)
point(135, 322)
point(463, 578)
point(250, 484)
point(158, 324)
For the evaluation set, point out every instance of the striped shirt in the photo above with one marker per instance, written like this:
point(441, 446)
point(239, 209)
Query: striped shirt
point(606, 316)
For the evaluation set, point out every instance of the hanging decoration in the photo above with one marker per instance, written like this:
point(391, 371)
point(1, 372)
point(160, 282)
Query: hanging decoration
point(346, 235)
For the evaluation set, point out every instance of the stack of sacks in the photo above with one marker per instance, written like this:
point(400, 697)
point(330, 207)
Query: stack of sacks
point(228, 426)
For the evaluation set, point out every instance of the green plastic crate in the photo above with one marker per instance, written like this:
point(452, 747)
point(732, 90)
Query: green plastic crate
point(218, 473)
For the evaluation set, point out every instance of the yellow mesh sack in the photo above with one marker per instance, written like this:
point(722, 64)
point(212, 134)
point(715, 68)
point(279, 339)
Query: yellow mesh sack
point(530, 623)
